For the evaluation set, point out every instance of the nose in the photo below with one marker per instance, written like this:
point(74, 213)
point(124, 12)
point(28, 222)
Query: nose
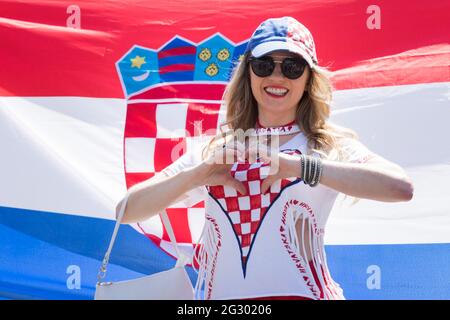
point(277, 73)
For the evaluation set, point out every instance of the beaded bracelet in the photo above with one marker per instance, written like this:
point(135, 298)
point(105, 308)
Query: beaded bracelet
point(319, 174)
point(311, 170)
point(302, 164)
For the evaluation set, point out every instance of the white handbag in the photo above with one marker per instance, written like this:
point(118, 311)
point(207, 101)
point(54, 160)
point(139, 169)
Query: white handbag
point(173, 284)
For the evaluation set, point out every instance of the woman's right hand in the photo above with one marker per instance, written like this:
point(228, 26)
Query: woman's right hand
point(216, 168)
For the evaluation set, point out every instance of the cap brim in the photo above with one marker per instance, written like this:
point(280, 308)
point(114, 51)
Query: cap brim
point(271, 46)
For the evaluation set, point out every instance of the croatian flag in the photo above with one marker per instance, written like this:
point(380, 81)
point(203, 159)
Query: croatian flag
point(96, 97)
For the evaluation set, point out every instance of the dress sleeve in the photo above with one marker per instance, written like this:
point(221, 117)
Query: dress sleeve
point(355, 151)
point(189, 159)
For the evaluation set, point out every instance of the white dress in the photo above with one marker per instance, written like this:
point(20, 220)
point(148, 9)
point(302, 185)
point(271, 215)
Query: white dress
point(250, 247)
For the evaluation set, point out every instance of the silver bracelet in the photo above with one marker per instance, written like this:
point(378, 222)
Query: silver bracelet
point(317, 178)
point(314, 169)
point(311, 170)
point(302, 164)
point(306, 168)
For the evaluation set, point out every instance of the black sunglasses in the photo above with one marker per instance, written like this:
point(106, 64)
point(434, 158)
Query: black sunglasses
point(292, 68)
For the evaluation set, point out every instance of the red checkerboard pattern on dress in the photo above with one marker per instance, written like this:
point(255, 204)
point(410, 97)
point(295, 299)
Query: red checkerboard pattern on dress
point(246, 212)
point(162, 123)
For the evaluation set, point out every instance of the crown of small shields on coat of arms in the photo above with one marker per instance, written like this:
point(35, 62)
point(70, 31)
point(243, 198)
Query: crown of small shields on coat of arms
point(179, 60)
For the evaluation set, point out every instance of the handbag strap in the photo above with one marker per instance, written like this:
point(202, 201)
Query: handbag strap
point(182, 259)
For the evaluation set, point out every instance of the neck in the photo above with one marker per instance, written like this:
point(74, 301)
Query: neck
point(271, 123)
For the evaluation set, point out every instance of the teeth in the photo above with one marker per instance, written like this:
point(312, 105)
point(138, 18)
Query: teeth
point(276, 91)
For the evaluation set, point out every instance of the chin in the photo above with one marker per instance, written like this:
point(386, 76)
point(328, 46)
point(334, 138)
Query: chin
point(275, 107)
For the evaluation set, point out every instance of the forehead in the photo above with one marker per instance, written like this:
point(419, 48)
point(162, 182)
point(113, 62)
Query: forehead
point(282, 54)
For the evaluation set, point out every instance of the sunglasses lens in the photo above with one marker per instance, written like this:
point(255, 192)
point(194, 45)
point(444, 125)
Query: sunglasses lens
point(293, 68)
point(262, 67)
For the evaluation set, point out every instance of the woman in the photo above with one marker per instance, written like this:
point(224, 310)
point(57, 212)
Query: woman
point(267, 208)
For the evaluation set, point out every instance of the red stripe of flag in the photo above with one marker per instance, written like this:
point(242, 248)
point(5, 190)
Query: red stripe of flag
point(29, 27)
point(177, 67)
point(180, 51)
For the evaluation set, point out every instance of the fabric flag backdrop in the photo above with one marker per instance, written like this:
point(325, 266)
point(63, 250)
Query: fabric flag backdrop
point(94, 96)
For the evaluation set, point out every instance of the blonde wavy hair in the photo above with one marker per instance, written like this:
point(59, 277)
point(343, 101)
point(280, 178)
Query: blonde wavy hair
point(312, 113)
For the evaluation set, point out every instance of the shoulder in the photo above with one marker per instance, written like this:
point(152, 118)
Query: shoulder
point(354, 150)
point(346, 145)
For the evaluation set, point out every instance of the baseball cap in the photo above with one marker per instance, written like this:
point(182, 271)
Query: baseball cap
point(285, 33)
